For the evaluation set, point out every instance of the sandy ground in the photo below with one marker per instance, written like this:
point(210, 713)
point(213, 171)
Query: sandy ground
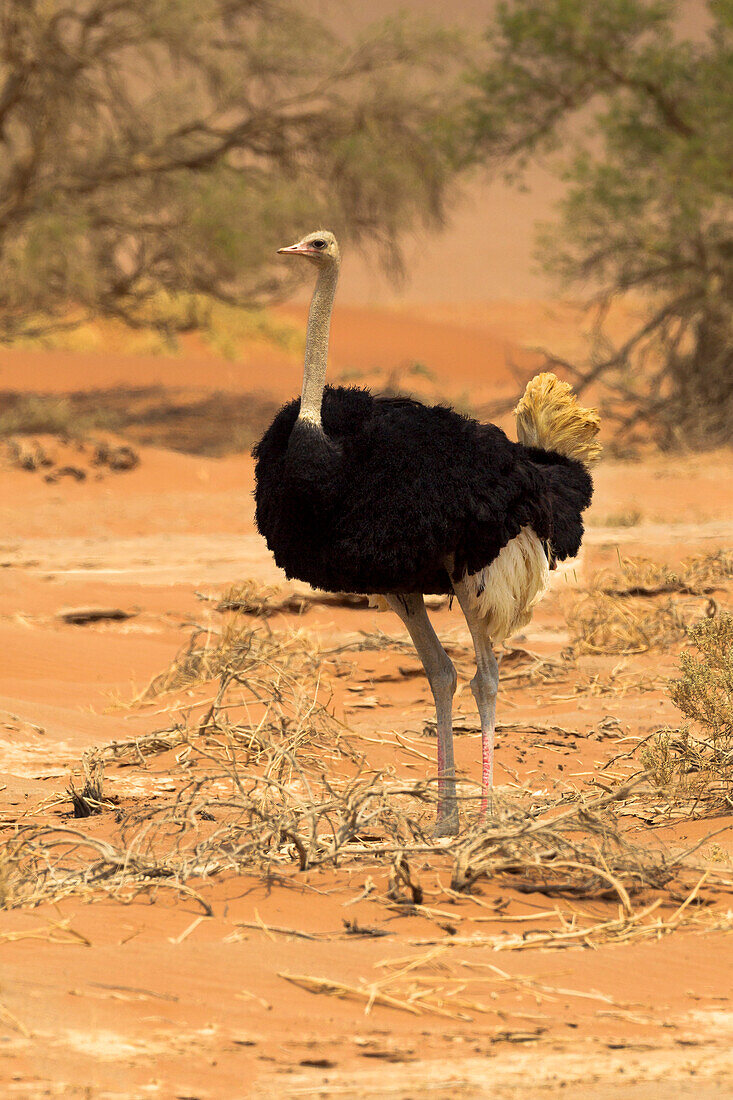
point(105, 998)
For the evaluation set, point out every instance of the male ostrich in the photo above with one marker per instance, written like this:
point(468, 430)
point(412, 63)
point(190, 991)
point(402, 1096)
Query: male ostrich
point(385, 495)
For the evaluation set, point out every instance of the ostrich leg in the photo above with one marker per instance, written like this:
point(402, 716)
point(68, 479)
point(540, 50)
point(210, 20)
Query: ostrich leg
point(484, 686)
point(442, 679)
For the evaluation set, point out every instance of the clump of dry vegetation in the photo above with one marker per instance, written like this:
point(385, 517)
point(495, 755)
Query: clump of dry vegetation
point(89, 798)
point(267, 783)
point(649, 605)
point(696, 761)
point(262, 779)
point(696, 576)
point(252, 598)
point(227, 820)
point(629, 518)
point(51, 414)
point(578, 852)
point(605, 624)
point(237, 649)
point(66, 457)
point(214, 424)
point(269, 704)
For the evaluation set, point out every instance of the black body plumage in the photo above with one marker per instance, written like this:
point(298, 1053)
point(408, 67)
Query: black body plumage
point(377, 499)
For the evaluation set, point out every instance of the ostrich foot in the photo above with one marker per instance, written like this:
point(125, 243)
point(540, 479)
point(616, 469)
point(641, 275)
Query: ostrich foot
point(447, 824)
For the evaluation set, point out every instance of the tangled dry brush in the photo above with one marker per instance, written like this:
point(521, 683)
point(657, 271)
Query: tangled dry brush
point(267, 782)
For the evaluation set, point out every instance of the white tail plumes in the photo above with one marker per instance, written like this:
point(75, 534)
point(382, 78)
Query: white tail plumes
point(507, 590)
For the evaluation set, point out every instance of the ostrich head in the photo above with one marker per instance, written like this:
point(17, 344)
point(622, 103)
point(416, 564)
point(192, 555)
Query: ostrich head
point(321, 248)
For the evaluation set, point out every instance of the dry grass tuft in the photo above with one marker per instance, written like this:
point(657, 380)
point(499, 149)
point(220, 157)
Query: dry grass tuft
point(696, 762)
point(89, 799)
point(252, 598)
point(696, 576)
point(237, 648)
point(624, 614)
point(630, 518)
point(606, 624)
point(269, 704)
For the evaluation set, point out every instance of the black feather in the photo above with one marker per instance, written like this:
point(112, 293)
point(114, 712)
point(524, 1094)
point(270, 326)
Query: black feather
point(389, 488)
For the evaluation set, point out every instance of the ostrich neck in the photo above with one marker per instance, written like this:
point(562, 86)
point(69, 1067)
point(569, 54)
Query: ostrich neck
point(316, 345)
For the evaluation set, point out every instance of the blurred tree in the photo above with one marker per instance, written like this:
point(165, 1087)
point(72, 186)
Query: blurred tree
point(155, 153)
point(649, 188)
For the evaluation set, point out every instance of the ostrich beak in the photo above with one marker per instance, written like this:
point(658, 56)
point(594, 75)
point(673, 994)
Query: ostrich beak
point(299, 249)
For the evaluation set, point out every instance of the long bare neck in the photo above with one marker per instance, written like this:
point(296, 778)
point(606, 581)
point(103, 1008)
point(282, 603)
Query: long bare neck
point(316, 344)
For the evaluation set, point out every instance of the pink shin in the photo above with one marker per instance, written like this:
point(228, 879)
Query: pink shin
point(487, 770)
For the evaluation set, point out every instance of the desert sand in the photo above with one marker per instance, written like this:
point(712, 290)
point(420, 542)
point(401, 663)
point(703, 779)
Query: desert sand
point(114, 993)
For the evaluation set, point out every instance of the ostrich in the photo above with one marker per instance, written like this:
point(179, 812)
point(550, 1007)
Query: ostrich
point(388, 496)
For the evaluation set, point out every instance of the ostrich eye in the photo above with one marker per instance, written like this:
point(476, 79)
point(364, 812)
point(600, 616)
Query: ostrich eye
point(319, 243)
